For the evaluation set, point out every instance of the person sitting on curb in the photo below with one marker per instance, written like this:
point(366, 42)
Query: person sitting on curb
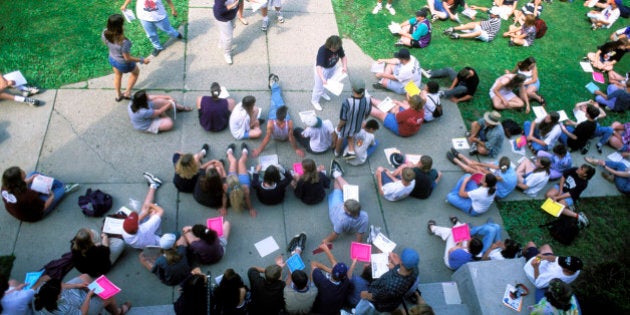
point(346, 217)
point(426, 178)
point(139, 231)
point(560, 160)
point(572, 183)
point(559, 299)
point(533, 176)
point(472, 197)
point(398, 72)
point(455, 254)
point(271, 187)
point(386, 293)
point(502, 170)
point(268, 291)
point(244, 119)
point(331, 292)
point(486, 135)
point(279, 123)
point(484, 31)
point(542, 266)
point(616, 172)
point(171, 267)
point(205, 244)
point(463, 83)
point(25, 90)
point(393, 188)
point(406, 117)
point(544, 132)
point(299, 292)
point(311, 186)
point(415, 32)
point(148, 112)
point(214, 112)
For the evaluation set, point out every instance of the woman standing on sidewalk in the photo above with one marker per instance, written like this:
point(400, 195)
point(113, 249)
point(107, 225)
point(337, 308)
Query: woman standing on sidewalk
point(224, 14)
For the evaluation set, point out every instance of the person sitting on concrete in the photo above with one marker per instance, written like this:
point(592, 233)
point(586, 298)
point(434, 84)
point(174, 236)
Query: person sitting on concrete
point(415, 32)
point(560, 160)
point(386, 293)
point(25, 91)
point(493, 247)
point(364, 143)
point(244, 119)
point(393, 188)
point(210, 188)
point(432, 97)
point(502, 170)
point(93, 255)
point(310, 186)
point(615, 99)
point(543, 132)
point(426, 177)
point(486, 135)
point(140, 231)
point(279, 123)
point(238, 181)
point(229, 297)
point(463, 86)
point(354, 110)
point(268, 291)
point(171, 267)
point(502, 92)
point(16, 298)
point(455, 254)
point(472, 197)
point(331, 292)
point(542, 266)
point(398, 72)
point(360, 282)
point(188, 168)
point(205, 244)
point(299, 292)
point(558, 299)
point(533, 176)
point(501, 250)
point(405, 118)
point(148, 112)
point(346, 217)
point(214, 112)
point(270, 190)
point(572, 183)
point(26, 204)
point(317, 138)
point(193, 298)
point(616, 172)
point(484, 31)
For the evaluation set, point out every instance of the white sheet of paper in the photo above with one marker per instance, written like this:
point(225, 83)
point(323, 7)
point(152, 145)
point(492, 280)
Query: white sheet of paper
point(520, 151)
point(580, 116)
point(334, 87)
point(378, 67)
point(539, 111)
point(379, 264)
point(266, 246)
point(339, 75)
point(94, 286)
point(350, 192)
point(383, 243)
point(113, 226)
point(563, 115)
point(386, 105)
point(413, 158)
point(394, 27)
point(389, 152)
point(16, 76)
point(125, 210)
point(306, 114)
point(224, 93)
point(586, 66)
point(129, 16)
point(460, 143)
point(266, 160)
point(42, 184)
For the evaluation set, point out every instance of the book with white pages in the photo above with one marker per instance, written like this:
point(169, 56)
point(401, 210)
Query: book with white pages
point(469, 13)
point(129, 16)
point(113, 226)
point(394, 27)
point(334, 87)
point(266, 160)
point(580, 115)
point(617, 157)
point(460, 143)
point(539, 111)
point(379, 264)
point(383, 243)
point(16, 76)
point(591, 3)
point(350, 192)
point(413, 158)
point(42, 184)
point(586, 66)
point(377, 67)
point(305, 115)
point(563, 115)
point(386, 105)
point(224, 93)
point(339, 75)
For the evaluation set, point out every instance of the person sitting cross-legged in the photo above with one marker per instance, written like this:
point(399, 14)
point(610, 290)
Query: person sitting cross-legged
point(415, 32)
point(398, 72)
point(393, 188)
point(331, 291)
point(472, 197)
point(486, 135)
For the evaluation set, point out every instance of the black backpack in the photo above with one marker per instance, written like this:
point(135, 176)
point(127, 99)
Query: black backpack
point(95, 203)
point(511, 128)
point(563, 229)
point(437, 112)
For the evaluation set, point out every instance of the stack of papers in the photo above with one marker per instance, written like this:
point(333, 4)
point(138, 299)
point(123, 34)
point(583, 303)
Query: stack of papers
point(383, 243)
point(360, 251)
point(350, 192)
point(379, 264)
point(394, 27)
point(17, 77)
point(305, 115)
point(460, 143)
point(334, 84)
point(104, 288)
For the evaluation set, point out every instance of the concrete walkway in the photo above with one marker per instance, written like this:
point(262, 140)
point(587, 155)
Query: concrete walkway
point(82, 135)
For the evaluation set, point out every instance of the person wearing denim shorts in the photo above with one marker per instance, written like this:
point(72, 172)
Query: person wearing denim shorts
point(152, 16)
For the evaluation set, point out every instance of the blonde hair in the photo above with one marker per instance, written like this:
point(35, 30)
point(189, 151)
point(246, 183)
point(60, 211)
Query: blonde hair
point(408, 174)
point(237, 195)
point(311, 175)
point(416, 102)
point(187, 167)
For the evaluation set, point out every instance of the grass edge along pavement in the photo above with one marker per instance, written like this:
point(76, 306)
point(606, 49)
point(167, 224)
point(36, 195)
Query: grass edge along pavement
point(605, 280)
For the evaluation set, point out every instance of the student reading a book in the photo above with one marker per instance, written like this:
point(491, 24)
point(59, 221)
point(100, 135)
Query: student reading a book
point(268, 291)
point(615, 99)
point(394, 188)
point(325, 65)
point(172, 266)
point(95, 256)
point(503, 96)
point(193, 297)
point(415, 32)
point(426, 178)
point(493, 247)
point(474, 198)
point(405, 118)
point(148, 112)
point(25, 91)
point(188, 168)
point(608, 54)
point(120, 56)
point(576, 136)
point(205, 244)
point(606, 17)
point(55, 298)
point(386, 293)
point(279, 123)
point(345, 216)
point(353, 113)
point(16, 299)
point(542, 266)
point(271, 188)
point(533, 176)
point(502, 170)
point(364, 143)
point(29, 198)
point(244, 122)
point(543, 133)
point(210, 188)
point(486, 135)
point(153, 16)
point(560, 160)
point(311, 186)
point(463, 83)
point(139, 231)
point(331, 291)
point(455, 254)
point(317, 138)
point(572, 183)
point(559, 299)
point(398, 71)
point(484, 31)
point(238, 181)
point(214, 111)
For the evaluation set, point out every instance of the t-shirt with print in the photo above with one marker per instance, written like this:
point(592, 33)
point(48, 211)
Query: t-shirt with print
point(573, 184)
point(409, 72)
point(328, 59)
point(150, 10)
point(362, 141)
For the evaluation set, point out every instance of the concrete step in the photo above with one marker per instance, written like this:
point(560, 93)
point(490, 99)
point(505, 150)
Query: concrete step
point(444, 298)
point(153, 310)
point(451, 309)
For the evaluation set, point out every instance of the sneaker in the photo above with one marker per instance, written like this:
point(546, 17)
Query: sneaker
point(326, 97)
point(152, 180)
point(335, 153)
point(582, 220)
point(265, 25)
point(28, 90)
point(399, 43)
point(434, 18)
point(456, 18)
point(448, 31)
point(426, 73)
point(31, 101)
point(231, 148)
point(228, 58)
point(454, 36)
point(293, 243)
point(68, 188)
point(316, 105)
point(441, 94)
point(450, 157)
point(205, 149)
point(244, 148)
point(273, 79)
point(473, 152)
point(585, 148)
point(599, 147)
point(335, 167)
point(301, 241)
point(156, 52)
point(390, 9)
point(455, 152)
point(280, 18)
point(180, 36)
point(378, 86)
point(349, 155)
point(377, 8)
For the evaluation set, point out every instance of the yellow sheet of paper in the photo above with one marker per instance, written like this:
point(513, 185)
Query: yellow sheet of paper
point(412, 89)
point(552, 207)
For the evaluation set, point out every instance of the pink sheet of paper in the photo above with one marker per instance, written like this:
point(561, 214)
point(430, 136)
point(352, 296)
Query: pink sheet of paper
point(476, 178)
point(360, 251)
point(109, 289)
point(297, 168)
point(216, 224)
point(461, 233)
point(598, 77)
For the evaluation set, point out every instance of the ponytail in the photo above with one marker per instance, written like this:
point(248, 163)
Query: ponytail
point(491, 183)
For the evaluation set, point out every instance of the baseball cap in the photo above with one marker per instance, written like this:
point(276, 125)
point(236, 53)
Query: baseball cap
point(167, 240)
point(409, 258)
point(403, 53)
point(422, 13)
point(570, 262)
point(340, 271)
point(130, 225)
point(358, 85)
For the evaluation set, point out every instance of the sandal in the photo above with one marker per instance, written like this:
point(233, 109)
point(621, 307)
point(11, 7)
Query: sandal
point(125, 308)
point(243, 21)
point(429, 225)
point(127, 97)
point(453, 220)
point(119, 98)
point(542, 102)
point(592, 161)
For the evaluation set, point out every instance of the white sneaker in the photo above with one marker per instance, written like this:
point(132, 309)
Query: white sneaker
point(326, 97)
point(377, 8)
point(228, 58)
point(390, 9)
point(316, 105)
point(280, 19)
point(265, 25)
point(426, 73)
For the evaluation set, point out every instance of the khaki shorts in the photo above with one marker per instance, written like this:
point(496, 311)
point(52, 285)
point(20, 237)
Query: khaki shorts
point(155, 126)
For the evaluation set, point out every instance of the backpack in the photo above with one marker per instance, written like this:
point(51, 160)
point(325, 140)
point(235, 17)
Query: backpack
point(511, 128)
point(563, 229)
point(541, 27)
point(95, 203)
point(437, 112)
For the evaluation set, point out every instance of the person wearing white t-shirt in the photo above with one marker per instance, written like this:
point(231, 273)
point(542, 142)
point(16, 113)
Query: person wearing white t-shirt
point(140, 231)
point(16, 299)
point(474, 198)
point(393, 188)
point(244, 123)
point(543, 133)
point(399, 71)
point(364, 143)
point(318, 135)
point(433, 100)
point(532, 177)
point(542, 266)
point(153, 16)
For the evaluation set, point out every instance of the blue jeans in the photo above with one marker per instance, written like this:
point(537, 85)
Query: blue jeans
point(491, 233)
point(276, 102)
point(622, 183)
point(563, 136)
point(461, 203)
point(610, 103)
point(604, 133)
point(528, 124)
point(57, 190)
point(370, 149)
point(151, 29)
